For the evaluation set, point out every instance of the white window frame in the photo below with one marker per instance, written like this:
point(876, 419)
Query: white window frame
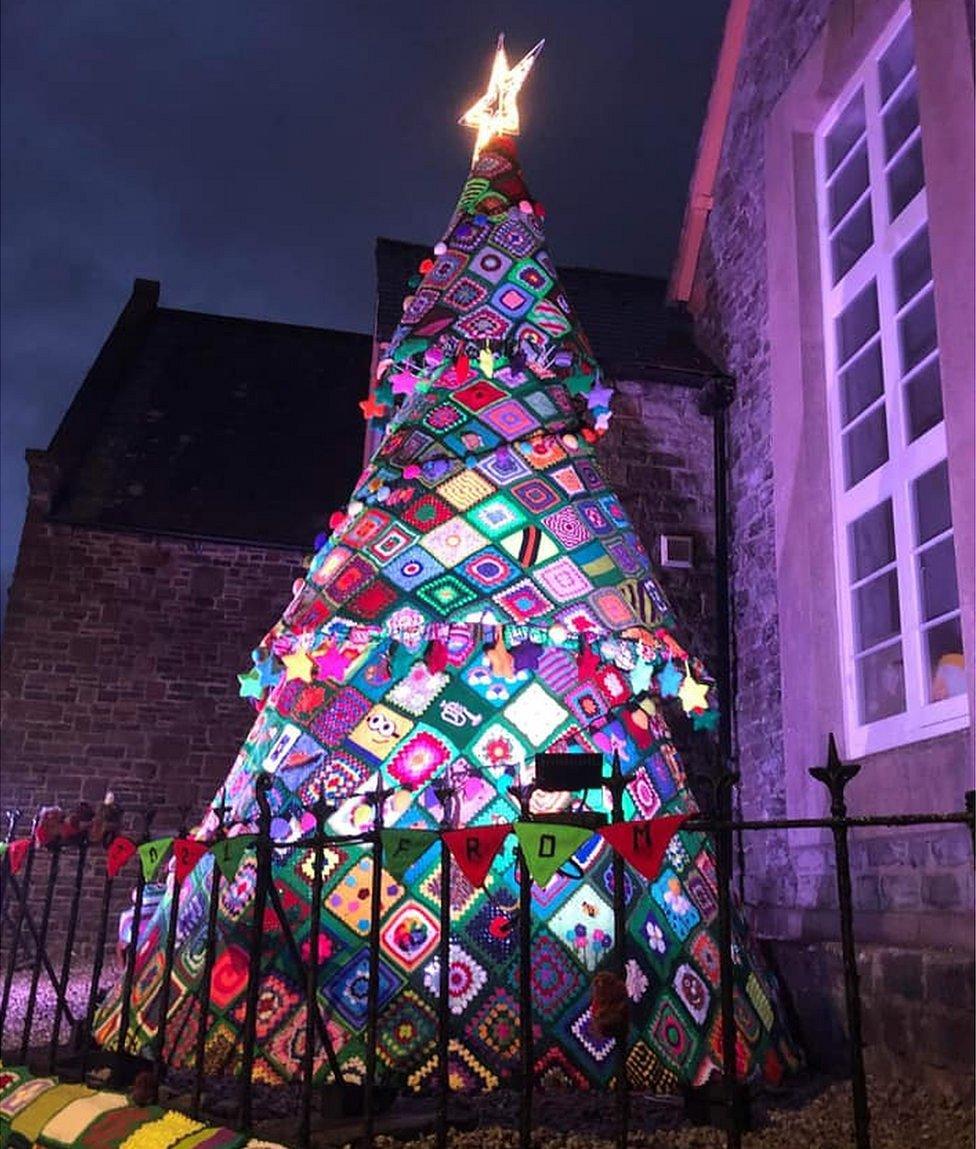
point(906, 460)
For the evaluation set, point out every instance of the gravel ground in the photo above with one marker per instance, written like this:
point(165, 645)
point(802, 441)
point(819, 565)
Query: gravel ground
point(903, 1116)
point(808, 1113)
point(44, 1008)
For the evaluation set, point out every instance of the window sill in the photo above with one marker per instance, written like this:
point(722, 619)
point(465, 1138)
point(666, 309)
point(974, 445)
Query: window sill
point(904, 729)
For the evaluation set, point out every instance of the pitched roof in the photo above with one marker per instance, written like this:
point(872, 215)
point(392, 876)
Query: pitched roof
point(702, 187)
point(634, 334)
point(240, 429)
point(214, 427)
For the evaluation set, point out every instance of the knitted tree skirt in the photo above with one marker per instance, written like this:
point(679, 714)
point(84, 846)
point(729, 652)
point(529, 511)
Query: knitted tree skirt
point(44, 1112)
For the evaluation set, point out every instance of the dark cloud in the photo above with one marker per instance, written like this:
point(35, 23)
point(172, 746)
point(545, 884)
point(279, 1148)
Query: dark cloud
point(247, 153)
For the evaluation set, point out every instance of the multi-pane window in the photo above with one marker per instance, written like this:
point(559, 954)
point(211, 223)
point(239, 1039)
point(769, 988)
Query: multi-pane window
point(899, 604)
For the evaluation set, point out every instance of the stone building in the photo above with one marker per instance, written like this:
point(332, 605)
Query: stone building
point(826, 257)
point(169, 516)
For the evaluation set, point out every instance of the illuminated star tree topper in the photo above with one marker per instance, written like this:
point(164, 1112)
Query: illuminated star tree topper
point(496, 113)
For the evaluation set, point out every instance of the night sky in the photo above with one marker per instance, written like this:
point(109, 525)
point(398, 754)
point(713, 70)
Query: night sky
point(246, 154)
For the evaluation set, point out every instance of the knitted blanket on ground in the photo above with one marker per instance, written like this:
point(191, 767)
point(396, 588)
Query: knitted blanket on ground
point(44, 1113)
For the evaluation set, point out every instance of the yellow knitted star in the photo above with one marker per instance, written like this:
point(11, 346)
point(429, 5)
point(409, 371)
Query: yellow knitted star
point(693, 695)
point(298, 665)
point(496, 113)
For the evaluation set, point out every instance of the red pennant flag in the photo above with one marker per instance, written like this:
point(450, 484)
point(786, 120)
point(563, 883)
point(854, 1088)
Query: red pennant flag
point(474, 849)
point(462, 369)
point(643, 843)
point(187, 851)
point(120, 850)
point(16, 853)
point(587, 663)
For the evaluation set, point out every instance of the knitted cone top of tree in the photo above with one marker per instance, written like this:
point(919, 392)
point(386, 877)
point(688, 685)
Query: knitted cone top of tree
point(483, 598)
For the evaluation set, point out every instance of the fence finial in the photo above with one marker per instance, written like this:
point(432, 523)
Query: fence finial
point(835, 775)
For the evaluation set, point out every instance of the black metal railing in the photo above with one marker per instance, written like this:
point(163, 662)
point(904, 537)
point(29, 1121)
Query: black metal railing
point(24, 922)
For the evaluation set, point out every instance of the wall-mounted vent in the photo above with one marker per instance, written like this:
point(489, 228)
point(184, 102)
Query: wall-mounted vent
point(677, 551)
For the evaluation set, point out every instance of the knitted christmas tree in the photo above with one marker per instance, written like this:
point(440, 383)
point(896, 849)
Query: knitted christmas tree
point(482, 599)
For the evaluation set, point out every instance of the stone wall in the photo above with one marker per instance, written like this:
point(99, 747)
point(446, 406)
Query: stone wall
point(731, 310)
point(917, 1010)
point(657, 456)
point(119, 659)
point(913, 888)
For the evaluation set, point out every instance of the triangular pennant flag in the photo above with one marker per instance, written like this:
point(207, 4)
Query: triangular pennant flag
point(229, 852)
point(187, 851)
point(3, 850)
point(119, 851)
point(16, 853)
point(474, 849)
point(151, 855)
point(643, 843)
point(546, 845)
point(401, 848)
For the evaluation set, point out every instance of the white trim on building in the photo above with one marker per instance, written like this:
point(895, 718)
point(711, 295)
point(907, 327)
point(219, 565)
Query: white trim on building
point(898, 604)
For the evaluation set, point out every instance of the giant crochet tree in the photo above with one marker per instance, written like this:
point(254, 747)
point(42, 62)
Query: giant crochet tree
point(482, 599)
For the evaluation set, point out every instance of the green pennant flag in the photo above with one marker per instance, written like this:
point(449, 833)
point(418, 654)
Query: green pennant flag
point(546, 845)
point(3, 850)
point(229, 852)
point(151, 855)
point(401, 848)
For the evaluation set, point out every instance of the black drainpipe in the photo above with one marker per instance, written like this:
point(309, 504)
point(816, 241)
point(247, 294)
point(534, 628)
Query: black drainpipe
point(716, 391)
point(714, 400)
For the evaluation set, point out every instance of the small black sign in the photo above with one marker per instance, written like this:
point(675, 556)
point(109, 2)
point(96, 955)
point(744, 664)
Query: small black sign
point(568, 771)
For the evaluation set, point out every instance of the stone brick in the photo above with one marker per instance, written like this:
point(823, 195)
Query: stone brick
point(816, 891)
point(941, 890)
point(867, 892)
point(887, 852)
point(948, 1037)
point(953, 846)
point(902, 974)
point(901, 891)
point(950, 983)
point(895, 1031)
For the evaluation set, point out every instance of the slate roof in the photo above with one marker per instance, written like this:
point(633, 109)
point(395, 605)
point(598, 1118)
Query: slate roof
point(634, 334)
point(239, 429)
point(214, 427)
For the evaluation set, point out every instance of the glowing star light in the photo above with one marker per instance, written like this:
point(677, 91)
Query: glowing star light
point(496, 113)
